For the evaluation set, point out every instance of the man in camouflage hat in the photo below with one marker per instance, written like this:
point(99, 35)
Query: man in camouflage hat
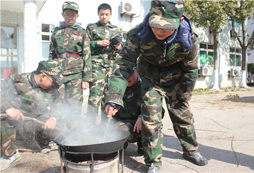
point(105, 44)
point(164, 47)
point(70, 41)
point(34, 95)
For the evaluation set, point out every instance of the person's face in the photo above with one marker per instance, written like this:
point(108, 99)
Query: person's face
point(70, 17)
point(104, 16)
point(162, 34)
point(46, 81)
point(132, 79)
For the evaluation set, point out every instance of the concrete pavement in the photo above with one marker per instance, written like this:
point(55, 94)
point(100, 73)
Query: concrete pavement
point(224, 128)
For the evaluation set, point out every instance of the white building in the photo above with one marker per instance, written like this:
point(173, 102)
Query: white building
point(26, 28)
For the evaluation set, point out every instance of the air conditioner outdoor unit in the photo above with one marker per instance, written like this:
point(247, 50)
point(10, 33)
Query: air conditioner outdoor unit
point(128, 7)
point(205, 71)
point(234, 72)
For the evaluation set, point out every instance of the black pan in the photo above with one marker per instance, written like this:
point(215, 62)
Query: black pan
point(99, 147)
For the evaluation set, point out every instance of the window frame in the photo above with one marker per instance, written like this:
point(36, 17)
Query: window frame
point(208, 48)
point(234, 51)
point(51, 27)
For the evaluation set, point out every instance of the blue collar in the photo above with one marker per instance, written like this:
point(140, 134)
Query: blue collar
point(182, 34)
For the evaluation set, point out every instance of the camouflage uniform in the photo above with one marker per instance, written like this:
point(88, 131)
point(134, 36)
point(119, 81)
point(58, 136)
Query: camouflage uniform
point(73, 41)
point(132, 109)
point(21, 92)
point(102, 59)
point(168, 71)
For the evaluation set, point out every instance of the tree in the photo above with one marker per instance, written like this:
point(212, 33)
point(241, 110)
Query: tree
point(239, 11)
point(250, 69)
point(208, 14)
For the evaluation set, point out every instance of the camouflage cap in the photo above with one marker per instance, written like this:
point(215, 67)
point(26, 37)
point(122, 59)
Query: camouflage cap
point(51, 68)
point(70, 5)
point(166, 14)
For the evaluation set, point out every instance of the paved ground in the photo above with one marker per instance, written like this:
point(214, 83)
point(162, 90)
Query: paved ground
point(223, 122)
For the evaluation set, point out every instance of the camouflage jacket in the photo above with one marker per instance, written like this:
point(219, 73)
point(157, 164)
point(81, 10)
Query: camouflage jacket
point(132, 100)
point(72, 40)
point(18, 91)
point(97, 32)
point(154, 64)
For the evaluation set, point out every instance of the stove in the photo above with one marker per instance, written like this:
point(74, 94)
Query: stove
point(91, 162)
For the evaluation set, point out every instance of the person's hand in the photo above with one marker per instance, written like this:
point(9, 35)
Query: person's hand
point(103, 43)
point(110, 110)
point(14, 114)
point(85, 85)
point(138, 125)
point(118, 46)
point(50, 124)
point(186, 103)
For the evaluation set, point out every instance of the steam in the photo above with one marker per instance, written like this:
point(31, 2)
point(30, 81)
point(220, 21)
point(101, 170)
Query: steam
point(76, 129)
point(85, 130)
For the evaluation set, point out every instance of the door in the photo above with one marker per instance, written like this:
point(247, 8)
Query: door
point(8, 51)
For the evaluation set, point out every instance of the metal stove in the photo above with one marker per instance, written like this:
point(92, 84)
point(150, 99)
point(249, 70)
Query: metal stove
point(91, 162)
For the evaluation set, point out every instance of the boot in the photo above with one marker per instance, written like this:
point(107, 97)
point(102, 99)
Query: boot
point(196, 158)
point(152, 169)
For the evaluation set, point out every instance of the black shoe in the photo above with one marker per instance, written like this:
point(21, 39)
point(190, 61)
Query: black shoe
point(152, 169)
point(196, 158)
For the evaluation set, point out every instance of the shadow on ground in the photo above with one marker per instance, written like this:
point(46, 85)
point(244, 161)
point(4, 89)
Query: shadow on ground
point(209, 152)
point(236, 98)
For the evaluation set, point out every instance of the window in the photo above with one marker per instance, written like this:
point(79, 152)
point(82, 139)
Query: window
point(235, 57)
point(8, 51)
point(236, 24)
point(237, 29)
point(206, 54)
point(45, 38)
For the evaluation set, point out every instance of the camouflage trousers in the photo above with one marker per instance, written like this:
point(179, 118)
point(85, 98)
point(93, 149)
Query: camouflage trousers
point(99, 86)
point(73, 99)
point(134, 136)
point(10, 127)
point(180, 115)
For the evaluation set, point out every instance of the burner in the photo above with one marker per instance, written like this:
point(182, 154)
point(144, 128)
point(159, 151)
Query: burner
point(78, 162)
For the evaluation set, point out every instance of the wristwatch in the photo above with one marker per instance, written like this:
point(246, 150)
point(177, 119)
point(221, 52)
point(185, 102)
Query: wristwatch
point(116, 106)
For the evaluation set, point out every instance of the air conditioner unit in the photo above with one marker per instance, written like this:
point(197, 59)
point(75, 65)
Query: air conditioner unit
point(128, 7)
point(234, 72)
point(205, 71)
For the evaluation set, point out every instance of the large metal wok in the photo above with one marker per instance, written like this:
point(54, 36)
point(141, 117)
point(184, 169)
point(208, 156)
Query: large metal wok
point(108, 145)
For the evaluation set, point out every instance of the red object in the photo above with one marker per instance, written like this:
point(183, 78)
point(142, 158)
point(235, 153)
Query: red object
point(7, 71)
point(66, 55)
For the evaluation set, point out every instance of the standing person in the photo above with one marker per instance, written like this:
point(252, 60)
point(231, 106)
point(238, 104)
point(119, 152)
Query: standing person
point(105, 43)
point(34, 95)
point(167, 64)
point(70, 41)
